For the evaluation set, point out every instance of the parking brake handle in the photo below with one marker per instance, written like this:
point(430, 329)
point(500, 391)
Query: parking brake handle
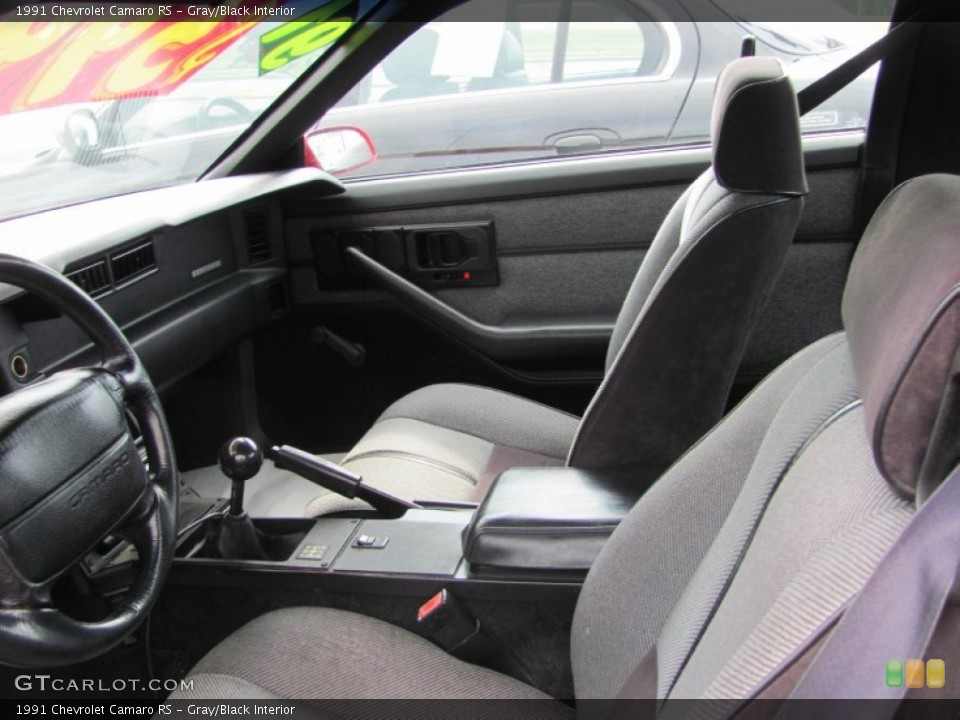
point(337, 479)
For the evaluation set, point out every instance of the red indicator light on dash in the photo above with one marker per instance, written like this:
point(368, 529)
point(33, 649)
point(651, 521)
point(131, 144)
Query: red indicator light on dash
point(467, 275)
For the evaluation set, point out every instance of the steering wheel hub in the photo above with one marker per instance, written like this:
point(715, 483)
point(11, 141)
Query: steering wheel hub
point(71, 474)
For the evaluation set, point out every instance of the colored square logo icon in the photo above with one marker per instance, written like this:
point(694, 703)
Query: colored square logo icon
point(894, 673)
point(914, 672)
point(936, 673)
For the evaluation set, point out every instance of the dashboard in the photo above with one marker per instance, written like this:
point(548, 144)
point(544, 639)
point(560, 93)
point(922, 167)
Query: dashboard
point(185, 271)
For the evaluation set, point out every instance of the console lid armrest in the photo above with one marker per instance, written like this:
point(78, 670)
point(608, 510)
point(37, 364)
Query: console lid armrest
point(551, 518)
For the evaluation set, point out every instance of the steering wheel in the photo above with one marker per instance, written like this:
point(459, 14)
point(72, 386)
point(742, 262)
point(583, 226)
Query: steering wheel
point(72, 475)
point(237, 108)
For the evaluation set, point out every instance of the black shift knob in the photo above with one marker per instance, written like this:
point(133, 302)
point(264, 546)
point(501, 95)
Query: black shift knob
point(240, 460)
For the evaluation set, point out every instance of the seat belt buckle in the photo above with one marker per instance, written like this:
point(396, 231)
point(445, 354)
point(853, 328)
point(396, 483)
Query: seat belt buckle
point(445, 621)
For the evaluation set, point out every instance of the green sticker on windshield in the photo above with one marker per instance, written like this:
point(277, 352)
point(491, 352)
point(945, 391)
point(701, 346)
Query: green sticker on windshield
point(311, 32)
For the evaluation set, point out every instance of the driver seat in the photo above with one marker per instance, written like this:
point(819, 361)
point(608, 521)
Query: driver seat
point(676, 344)
point(728, 573)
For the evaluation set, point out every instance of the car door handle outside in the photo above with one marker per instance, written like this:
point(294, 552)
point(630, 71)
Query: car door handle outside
point(513, 342)
point(573, 144)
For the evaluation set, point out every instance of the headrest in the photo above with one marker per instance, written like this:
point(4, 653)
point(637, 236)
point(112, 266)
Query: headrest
point(901, 311)
point(756, 129)
point(412, 61)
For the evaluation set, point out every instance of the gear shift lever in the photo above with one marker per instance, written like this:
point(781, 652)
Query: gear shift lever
point(234, 537)
point(240, 459)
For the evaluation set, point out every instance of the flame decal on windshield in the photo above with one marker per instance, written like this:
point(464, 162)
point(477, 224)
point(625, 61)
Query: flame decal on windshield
point(315, 30)
point(44, 64)
point(48, 64)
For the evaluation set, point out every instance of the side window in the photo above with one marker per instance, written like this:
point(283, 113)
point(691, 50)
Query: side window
point(539, 42)
point(603, 50)
point(600, 41)
point(604, 42)
point(559, 78)
point(551, 78)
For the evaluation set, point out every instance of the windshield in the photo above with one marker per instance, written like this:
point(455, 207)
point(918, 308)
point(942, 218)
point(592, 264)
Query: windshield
point(90, 110)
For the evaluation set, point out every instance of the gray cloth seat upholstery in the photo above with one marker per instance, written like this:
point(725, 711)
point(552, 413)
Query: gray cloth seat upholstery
point(676, 344)
point(450, 441)
point(727, 573)
point(398, 665)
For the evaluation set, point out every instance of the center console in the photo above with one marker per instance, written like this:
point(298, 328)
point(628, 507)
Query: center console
point(536, 534)
point(423, 542)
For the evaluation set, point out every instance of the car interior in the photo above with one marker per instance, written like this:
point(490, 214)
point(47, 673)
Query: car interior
point(626, 426)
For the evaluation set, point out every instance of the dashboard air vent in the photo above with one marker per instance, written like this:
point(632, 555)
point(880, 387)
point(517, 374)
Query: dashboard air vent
point(94, 278)
point(133, 263)
point(255, 230)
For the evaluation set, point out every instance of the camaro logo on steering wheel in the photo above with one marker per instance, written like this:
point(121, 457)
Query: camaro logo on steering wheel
point(102, 477)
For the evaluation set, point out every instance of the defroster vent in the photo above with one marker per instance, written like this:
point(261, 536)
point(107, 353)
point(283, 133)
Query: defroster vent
point(257, 236)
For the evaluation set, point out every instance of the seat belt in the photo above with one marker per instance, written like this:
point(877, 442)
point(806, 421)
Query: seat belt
point(822, 89)
point(876, 182)
point(894, 617)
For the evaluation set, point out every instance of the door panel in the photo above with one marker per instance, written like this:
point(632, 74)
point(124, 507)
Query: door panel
point(562, 256)
point(557, 255)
